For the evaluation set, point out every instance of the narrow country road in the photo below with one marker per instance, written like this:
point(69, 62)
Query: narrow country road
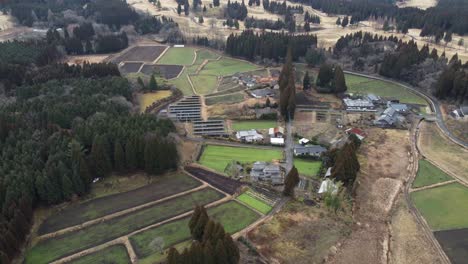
point(435, 105)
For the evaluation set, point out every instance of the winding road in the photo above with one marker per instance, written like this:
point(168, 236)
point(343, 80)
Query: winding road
point(434, 103)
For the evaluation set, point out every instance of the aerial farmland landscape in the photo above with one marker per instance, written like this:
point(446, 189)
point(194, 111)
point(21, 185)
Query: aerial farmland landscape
point(225, 132)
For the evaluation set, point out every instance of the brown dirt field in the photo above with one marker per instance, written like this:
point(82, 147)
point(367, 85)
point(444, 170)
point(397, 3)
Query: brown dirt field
point(300, 234)
point(408, 245)
point(188, 151)
point(458, 127)
point(307, 125)
point(235, 111)
point(71, 60)
point(446, 154)
point(384, 158)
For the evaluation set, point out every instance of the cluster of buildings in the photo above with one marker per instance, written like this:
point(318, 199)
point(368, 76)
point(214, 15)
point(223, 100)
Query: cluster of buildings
point(276, 135)
point(393, 115)
point(252, 81)
point(366, 103)
point(266, 172)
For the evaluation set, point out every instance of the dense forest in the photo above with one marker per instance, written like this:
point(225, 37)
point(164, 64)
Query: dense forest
point(447, 15)
point(281, 8)
point(236, 10)
point(62, 126)
point(268, 45)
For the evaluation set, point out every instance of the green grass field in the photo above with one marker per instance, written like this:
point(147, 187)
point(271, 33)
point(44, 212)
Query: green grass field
point(48, 250)
point(232, 215)
point(255, 203)
point(178, 56)
point(217, 157)
point(253, 124)
point(204, 84)
point(182, 84)
point(362, 85)
point(309, 168)
point(443, 207)
point(429, 174)
point(203, 54)
point(225, 99)
point(227, 66)
point(114, 254)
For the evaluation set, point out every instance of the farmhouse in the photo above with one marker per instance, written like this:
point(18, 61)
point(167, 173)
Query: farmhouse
point(277, 141)
point(276, 132)
point(263, 171)
point(389, 118)
point(249, 136)
point(400, 108)
point(358, 104)
point(262, 93)
point(373, 98)
point(309, 150)
point(356, 131)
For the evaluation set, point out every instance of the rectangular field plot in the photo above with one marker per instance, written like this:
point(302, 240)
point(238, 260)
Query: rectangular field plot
point(178, 56)
point(204, 84)
point(443, 207)
point(225, 99)
point(114, 254)
point(165, 71)
point(182, 84)
point(254, 124)
point(227, 66)
point(255, 203)
point(455, 244)
point(363, 85)
point(429, 174)
point(221, 182)
point(232, 215)
point(309, 168)
point(218, 157)
point(141, 53)
point(165, 186)
point(130, 67)
point(57, 247)
point(203, 55)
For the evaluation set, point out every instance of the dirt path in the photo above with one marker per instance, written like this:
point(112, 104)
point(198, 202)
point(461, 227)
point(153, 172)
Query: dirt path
point(120, 213)
point(431, 186)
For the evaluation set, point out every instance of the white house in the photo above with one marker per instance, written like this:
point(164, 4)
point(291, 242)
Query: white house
point(249, 136)
point(277, 141)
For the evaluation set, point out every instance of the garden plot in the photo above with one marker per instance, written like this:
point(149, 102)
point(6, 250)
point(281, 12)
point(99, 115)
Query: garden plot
point(443, 207)
point(224, 184)
point(255, 201)
point(130, 67)
point(165, 71)
point(165, 186)
point(178, 56)
point(232, 215)
point(114, 254)
point(307, 167)
point(429, 174)
point(141, 53)
point(63, 245)
point(218, 157)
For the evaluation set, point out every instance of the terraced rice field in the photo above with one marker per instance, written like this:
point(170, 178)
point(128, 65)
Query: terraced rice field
point(255, 203)
point(218, 157)
point(63, 245)
point(114, 254)
point(227, 66)
point(178, 56)
point(429, 174)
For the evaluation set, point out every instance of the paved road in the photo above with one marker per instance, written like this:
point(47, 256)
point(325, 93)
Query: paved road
point(432, 100)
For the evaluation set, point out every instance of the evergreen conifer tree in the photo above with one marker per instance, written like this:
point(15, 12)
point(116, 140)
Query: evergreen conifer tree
point(291, 181)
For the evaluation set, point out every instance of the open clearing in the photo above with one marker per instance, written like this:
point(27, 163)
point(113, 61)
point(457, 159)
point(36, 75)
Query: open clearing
point(299, 234)
point(442, 151)
point(178, 56)
point(225, 99)
point(454, 243)
point(182, 84)
point(218, 157)
point(254, 124)
point(362, 85)
point(255, 203)
point(114, 254)
point(141, 53)
point(76, 214)
point(227, 66)
point(69, 243)
point(204, 84)
point(232, 215)
point(429, 174)
point(443, 207)
point(147, 99)
point(309, 168)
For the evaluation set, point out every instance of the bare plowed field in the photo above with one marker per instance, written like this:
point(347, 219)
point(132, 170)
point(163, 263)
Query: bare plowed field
point(167, 71)
point(223, 183)
point(455, 244)
point(79, 213)
point(141, 53)
point(131, 67)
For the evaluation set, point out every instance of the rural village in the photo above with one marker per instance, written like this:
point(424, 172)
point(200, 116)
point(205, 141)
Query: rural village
point(181, 149)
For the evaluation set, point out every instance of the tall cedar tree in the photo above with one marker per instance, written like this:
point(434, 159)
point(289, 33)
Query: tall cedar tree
point(153, 85)
point(291, 181)
point(346, 164)
point(306, 81)
point(100, 157)
point(287, 88)
point(119, 158)
point(325, 75)
point(339, 82)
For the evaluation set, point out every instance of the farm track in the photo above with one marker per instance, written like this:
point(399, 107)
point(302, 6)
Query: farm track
point(427, 232)
point(431, 186)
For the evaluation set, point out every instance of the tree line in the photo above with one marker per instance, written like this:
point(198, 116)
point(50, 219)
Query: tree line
point(252, 22)
point(452, 83)
point(281, 8)
point(268, 45)
point(331, 79)
point(211, 244)
point(236, 10)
